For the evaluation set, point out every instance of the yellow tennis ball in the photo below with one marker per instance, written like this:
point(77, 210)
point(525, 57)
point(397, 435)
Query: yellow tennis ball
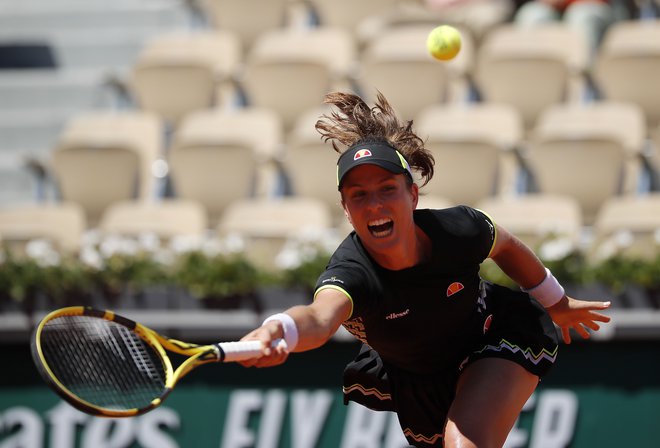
point(444, 42)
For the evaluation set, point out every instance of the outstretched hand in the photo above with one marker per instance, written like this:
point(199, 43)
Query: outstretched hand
point(270, 356)
point(579, 315)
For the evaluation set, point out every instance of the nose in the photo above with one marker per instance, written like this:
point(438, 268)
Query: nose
point(374, 201)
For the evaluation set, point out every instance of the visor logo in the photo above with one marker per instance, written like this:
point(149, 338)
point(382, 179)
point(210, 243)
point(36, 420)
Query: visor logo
point(362, 153)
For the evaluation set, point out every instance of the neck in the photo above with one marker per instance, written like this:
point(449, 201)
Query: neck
point(408, 253)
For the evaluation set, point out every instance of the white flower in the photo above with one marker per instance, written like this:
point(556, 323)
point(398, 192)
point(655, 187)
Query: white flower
point(149, 242)
point(91, 257)
point(556, 249)
point(181, 244)
point(43, 252)
point(233, 243)
point(117, 245)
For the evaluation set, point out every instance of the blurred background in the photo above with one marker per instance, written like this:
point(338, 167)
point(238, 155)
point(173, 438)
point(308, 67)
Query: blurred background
point(159, 158)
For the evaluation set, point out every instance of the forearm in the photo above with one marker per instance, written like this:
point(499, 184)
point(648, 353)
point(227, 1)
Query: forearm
point(520, 263)
point(313, 329)
point(315, 323)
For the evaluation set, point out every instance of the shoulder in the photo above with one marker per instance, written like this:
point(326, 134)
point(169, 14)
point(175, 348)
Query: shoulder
point(458, 221)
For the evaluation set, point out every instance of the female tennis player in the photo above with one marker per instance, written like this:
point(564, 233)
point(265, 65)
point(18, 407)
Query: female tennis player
point(454, 356)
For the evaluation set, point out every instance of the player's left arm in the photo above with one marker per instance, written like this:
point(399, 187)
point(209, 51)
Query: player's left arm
point(522, 265)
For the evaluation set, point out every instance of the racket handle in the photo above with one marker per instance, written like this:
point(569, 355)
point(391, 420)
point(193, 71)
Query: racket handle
point(242, 350)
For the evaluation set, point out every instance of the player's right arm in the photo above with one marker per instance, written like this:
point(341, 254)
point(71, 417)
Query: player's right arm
point(315, 324)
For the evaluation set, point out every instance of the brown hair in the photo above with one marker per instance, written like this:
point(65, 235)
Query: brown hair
point(356, 122)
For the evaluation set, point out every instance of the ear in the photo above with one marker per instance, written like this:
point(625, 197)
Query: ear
point(348, 215)
point(414, 191)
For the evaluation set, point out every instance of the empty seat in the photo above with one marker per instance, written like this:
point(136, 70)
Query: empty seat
point(265, 224)
point(104, 157)
point(247, 18)
point(653, 155)
point(165, 219)
point(627, 67)
point(627, 226)
point(587, 151)
point(219, 156)
point(433, 201)
point(349, 14)
point(290, 71)
point(474, 147)
point(549, 224)
point(179, 73)
point(62, 224)
point(531, 68)
point(397, 63)
point(310, 164)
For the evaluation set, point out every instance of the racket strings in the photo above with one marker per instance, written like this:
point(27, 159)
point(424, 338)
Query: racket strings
point(102, 362)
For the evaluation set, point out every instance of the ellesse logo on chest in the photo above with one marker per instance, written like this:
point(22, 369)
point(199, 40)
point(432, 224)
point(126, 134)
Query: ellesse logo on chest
point(454, 288)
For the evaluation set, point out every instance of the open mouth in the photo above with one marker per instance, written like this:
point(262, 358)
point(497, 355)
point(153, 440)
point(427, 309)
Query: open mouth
point(380, 228)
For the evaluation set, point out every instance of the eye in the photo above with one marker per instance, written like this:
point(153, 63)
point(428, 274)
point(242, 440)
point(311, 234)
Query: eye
point(357, 194)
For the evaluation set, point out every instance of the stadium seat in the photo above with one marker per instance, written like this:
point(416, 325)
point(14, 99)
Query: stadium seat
point(627, 66)
point(546, 223)
point(265, 224)
point(349, 14)
point(104, 157)
point(165, 219)
point(248, 19)
point(531, 68)
point(219, 156)
point(396, 63)
point(179, 73)
point(62, 224)
point(285, 70)
point(474, 146)
point(588, 151)
point(628, 226)
point(310, 164)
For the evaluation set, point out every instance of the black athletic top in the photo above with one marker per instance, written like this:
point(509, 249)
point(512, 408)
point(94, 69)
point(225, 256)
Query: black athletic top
point(427, 317)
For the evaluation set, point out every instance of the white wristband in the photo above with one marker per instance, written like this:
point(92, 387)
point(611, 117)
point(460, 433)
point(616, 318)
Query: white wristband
point(288, 327)
point(548, 292)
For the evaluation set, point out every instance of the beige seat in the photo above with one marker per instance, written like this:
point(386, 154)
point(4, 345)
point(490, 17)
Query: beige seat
point(475, 17)
point(266, 224)
point(291, 70)
point(397, 63)
point(628, 226)
point(589, 151)
point(104, 157)
point(433, 202)
point(247, 18)
point(349, 14)
point(474, 149)
point(653, 155)
point(178, 73)
point(62, 224)
point(165, 219)
point(310, 163)
point(627, 67)
point(137, 130)
point(531, 68)
point(549, 224)
point(219, 156)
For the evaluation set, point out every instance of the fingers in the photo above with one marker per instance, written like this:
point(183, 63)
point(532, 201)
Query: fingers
point(270, 356)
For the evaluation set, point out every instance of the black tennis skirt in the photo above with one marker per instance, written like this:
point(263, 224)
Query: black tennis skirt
point(516, 327)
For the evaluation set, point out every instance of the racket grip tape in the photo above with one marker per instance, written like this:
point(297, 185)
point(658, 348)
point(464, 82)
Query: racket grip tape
point(243, 350)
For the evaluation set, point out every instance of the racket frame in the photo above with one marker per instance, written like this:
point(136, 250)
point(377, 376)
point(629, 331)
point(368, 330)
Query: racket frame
point(197, 355)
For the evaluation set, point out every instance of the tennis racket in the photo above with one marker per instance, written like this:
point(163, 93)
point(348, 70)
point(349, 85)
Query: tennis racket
point(107, 365)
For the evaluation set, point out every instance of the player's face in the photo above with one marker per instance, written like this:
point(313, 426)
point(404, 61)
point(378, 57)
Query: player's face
point(379, 204)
